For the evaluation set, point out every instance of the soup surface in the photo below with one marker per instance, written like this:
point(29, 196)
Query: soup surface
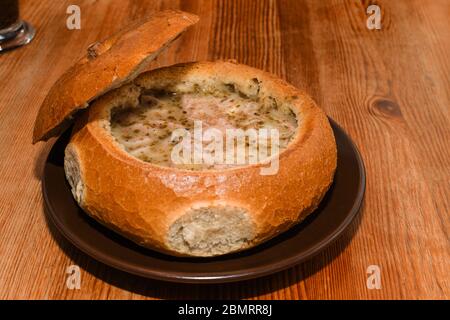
point(151, 131)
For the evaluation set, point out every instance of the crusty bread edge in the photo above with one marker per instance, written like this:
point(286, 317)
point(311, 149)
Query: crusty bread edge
point(107, 65)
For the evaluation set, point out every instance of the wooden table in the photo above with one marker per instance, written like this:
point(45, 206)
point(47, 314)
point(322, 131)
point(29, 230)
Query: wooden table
point(388, 88)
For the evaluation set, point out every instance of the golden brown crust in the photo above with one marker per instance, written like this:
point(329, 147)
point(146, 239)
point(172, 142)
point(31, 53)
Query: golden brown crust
point(108, 65)
point(141, 200)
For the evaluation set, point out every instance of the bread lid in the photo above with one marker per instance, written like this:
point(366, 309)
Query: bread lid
point(107, 65)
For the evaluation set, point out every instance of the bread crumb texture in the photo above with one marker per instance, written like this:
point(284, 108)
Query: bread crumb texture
point(211, 231)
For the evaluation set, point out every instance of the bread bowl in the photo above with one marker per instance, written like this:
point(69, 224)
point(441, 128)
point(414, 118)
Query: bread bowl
point(121, 175)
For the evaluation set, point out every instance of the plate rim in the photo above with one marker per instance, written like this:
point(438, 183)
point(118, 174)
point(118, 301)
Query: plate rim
point(224, 276)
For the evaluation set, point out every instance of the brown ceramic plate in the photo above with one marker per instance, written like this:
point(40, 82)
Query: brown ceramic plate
point(337, 210)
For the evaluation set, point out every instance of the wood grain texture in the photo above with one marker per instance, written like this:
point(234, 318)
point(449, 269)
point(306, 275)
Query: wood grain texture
point(389, 89)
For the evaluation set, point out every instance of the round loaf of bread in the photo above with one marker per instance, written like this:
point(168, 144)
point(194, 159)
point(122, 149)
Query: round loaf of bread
point(118, 167)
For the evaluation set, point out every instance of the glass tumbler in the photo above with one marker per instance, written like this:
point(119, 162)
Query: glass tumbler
point(14, 32)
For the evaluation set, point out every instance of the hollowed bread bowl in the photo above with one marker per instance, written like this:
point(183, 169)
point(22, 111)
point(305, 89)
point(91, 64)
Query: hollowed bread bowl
point(204, 211)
